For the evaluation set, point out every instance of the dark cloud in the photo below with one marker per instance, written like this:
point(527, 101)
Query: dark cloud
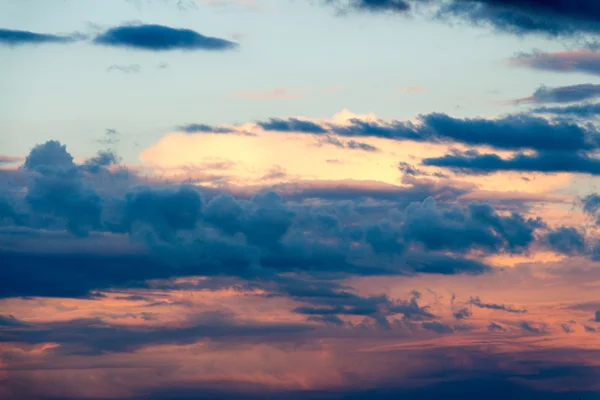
point(490, 385)
point(546, 17)
point(460, 230)
point(17, 38)
point(409, 169)
point(291, 125)
point(545, 162)
point(379, 5)
point(10, 321)
point(526, 326)
point(563, 94)
point(51, 154)
point(160, 38)
point(329, 300)
point(126, 231)
point(591, 204)
point(597, 319)
point(584, 111)
point(579, 61)
point(462, 313)
point(437, 327)
point(166, 211)
point(94, 336)
point(511, 132)
point(495, 327)
point(476, 301)
point(566, 240)
point(203, 128)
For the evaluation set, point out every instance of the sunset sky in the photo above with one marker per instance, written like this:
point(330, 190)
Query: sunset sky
point(299, 199)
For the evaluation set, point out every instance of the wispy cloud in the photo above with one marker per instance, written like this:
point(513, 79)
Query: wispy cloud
point(271, 94)
point(127, 69)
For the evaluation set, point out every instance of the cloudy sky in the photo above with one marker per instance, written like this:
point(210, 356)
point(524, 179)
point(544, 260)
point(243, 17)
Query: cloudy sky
point(299, 199)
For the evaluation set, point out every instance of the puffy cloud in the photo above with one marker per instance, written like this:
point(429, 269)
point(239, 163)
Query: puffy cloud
point(160, 38)
point(51, 154)
point(166, 211)
point(178, 231)
point(459, 230)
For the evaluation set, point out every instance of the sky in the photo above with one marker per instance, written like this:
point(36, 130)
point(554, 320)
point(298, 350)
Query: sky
point(299, 199)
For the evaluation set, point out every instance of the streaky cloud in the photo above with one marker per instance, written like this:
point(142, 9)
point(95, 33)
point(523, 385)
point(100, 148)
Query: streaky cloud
point(583, 111)
point(545, 162)
point(10, 37)
point(575, 61)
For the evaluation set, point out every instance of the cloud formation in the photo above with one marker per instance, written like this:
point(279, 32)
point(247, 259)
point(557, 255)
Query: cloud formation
point(178, 226)
point(160, 38)
point(545, 162)
point(583, 111)
point(545, 17)
point(563, 94)
point(578, 61)
point(10, 37)
point(513, 132)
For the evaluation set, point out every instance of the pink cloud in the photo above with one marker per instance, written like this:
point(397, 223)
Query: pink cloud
point(412, 89)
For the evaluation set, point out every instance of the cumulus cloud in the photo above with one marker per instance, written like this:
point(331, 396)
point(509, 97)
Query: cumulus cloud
point(566, 240)
point(199, 231)
point(160, 38)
